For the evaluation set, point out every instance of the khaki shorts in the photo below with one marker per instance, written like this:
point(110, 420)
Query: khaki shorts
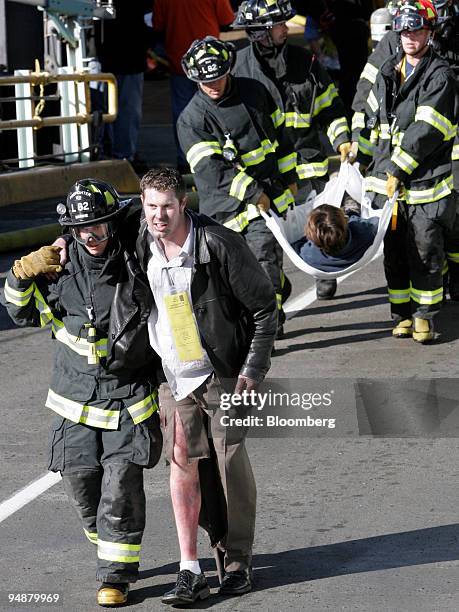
point(200, 414)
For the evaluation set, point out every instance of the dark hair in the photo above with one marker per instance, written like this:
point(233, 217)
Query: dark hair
point(327, 228)
point(163, 179)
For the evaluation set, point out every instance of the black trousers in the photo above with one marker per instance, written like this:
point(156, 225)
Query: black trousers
point(269, 253)
point(102, 472)
point(414, 257)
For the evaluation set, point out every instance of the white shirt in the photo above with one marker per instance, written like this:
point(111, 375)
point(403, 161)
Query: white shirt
point(163, 275)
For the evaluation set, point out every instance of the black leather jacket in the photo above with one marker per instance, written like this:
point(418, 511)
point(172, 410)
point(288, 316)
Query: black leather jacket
point(233, 300)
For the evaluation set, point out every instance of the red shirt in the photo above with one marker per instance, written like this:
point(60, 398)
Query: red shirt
point(183, 21)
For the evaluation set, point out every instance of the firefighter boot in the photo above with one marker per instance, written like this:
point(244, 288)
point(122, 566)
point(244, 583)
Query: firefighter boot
point(326, 289)
point(403, 329)
point(112, 595)
point(423, 330)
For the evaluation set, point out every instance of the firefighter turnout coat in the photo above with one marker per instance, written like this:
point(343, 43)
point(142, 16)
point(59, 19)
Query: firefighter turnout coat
point(93, 374)
point(236, 149)
point(412, 128)
point(308, 98)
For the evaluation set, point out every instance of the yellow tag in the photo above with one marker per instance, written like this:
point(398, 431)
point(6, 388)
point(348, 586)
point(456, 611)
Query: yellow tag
point(183, 326)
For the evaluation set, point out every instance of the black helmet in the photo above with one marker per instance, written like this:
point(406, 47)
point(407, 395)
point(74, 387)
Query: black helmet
point(208, 59)
point(262, 14)
point(90, 202)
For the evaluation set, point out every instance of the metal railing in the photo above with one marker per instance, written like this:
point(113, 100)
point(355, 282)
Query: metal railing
point(34, 79)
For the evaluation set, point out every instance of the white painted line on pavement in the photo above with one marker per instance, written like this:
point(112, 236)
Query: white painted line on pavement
point(28, 494)
point(305, 299)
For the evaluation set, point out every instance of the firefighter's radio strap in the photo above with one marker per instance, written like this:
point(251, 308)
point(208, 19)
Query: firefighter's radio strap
point(184, 329)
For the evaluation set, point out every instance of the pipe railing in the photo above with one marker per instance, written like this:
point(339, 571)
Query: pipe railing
point(45, 78)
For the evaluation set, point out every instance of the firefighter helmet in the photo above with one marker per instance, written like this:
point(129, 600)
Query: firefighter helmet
point(90, 202)
point(415, 15)
point(208, 59)
point(262, 14)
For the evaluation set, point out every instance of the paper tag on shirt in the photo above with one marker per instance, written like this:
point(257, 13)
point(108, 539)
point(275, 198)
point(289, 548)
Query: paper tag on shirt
point(183, 326)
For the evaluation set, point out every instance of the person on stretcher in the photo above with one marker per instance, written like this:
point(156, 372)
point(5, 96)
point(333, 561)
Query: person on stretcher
point(333, 240)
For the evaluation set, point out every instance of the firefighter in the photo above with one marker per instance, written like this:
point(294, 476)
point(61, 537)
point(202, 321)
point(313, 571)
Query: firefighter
point(446, 43)
point(302, 88)
point(410, 117)
point(103, 387)
point(242, 162)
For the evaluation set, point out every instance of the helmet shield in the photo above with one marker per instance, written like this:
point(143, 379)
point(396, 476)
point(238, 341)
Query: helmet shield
point(409, 21)
point(208, 60)
point(90, 235)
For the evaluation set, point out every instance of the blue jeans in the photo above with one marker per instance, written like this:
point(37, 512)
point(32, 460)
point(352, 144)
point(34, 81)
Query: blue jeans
point(124, 132)
point(182, 90)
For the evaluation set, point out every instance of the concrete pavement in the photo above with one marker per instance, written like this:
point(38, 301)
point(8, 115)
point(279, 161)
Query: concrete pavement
point(350, 523)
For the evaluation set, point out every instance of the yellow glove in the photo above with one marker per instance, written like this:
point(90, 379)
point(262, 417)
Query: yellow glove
point(293, 188)
point(38, 262)
point(264, 203)
point(392, 185)
point(344, 150)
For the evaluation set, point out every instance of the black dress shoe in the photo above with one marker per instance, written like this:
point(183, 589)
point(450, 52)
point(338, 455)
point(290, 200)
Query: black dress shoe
point(236, 583)
point(326, 288)
point(188, 588)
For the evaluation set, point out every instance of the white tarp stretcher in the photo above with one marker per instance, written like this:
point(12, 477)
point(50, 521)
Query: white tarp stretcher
point(289, 230)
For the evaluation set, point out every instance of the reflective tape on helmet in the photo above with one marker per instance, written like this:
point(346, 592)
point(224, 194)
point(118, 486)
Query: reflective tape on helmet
point(434, 118)
point(140, 411)
point(370, 73)
point(421, 296)
point(81, 413)
point(121, 553)
point(75, 343)
point(312, 170)
point(201, 150)
point(287, 163)
point(404, 160)
point(239, 185)
point(399, 296)
point(297, 120)
point(17, 297)
point(336, 128)
point(325, 100)
point(241, 221)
